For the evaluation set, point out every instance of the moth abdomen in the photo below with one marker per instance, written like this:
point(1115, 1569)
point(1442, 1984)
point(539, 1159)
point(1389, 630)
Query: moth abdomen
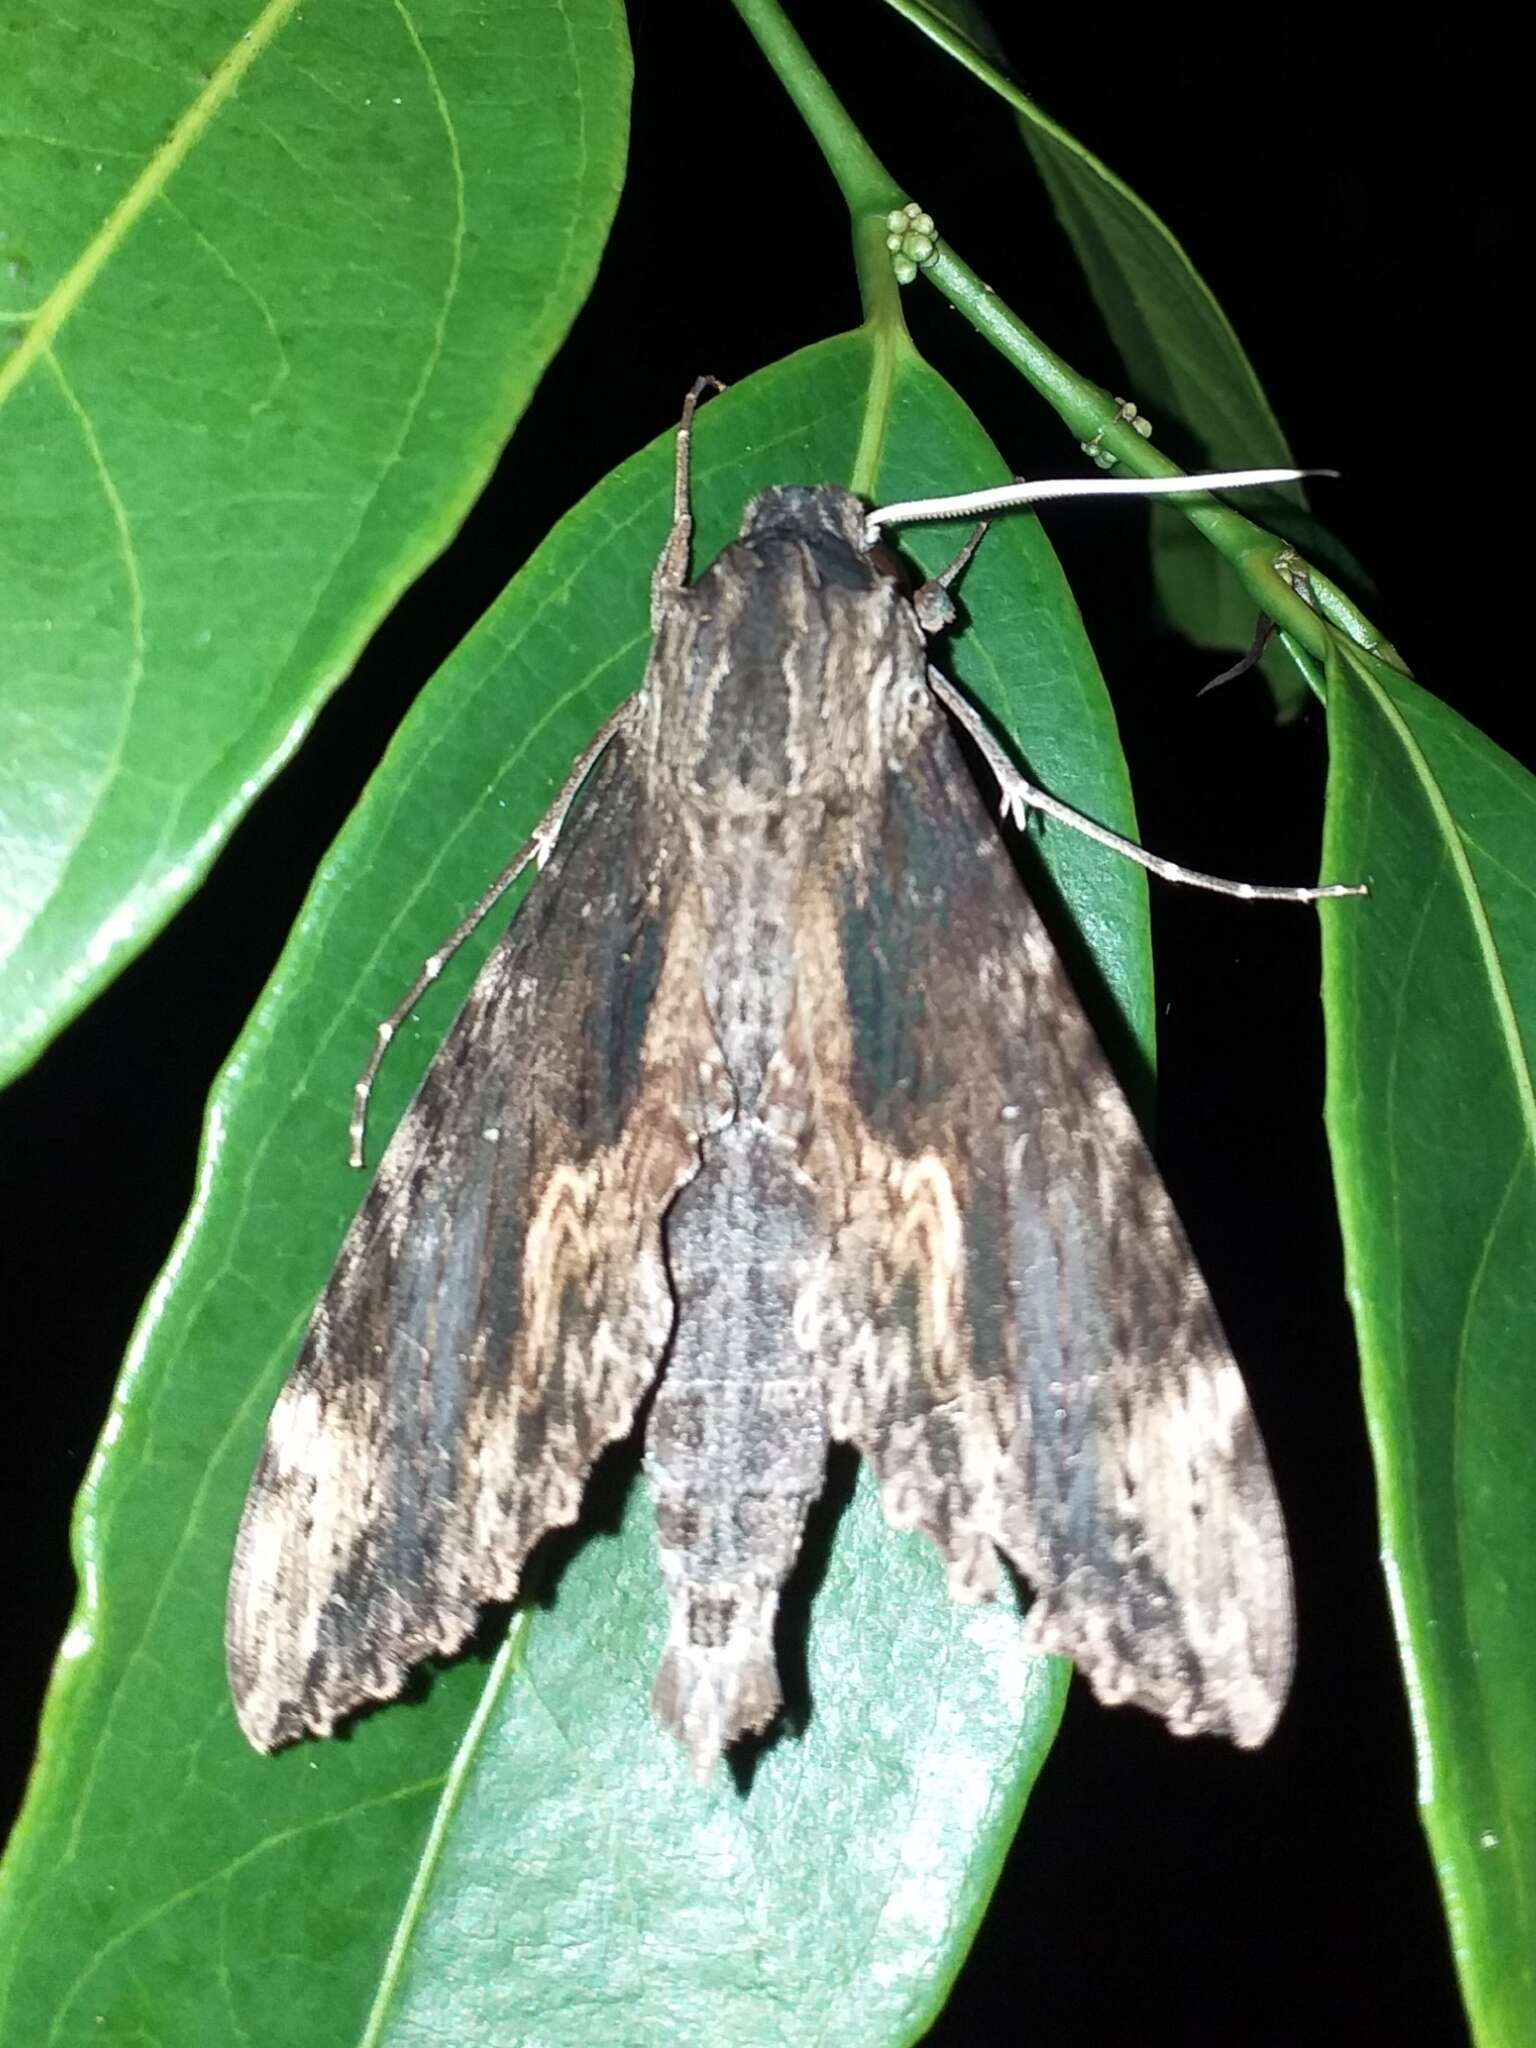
point(737, 1437)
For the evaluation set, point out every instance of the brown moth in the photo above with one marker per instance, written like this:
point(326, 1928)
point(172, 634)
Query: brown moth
point(774, 1097)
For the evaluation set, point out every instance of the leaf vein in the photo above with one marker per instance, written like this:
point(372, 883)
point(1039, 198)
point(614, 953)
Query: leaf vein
point(159, 168)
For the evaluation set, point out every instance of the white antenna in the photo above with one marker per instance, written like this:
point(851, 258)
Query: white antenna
point(1006, 497)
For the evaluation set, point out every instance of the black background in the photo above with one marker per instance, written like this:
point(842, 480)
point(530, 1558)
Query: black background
point(1347, 204)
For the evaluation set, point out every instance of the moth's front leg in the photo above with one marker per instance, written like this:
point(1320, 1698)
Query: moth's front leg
point(737, 1442)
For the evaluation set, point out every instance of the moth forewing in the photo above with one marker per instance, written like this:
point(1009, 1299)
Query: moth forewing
point(775, 1088)
point(498, 1307)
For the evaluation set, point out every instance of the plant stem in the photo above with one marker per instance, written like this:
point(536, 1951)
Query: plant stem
point(868, 188)
point(870, 193)
point(1249, 549)
point(863, 180)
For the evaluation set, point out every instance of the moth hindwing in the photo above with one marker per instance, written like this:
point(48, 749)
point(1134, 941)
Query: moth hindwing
point(774, 1096)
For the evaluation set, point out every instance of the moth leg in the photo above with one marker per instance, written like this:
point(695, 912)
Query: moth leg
point(932, 602)
point(1020, 796)
point(671, 573)
point(1263, 632)
point(737, 1441)
point(535, 852)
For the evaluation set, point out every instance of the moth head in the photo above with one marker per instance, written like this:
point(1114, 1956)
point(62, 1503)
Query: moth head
point(807, 512)
point(817, 512)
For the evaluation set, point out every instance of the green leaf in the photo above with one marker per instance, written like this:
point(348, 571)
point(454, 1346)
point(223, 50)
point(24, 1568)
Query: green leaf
point(1430, 995)
point(273, 291)
point(522, 1855)
point(1184, 365)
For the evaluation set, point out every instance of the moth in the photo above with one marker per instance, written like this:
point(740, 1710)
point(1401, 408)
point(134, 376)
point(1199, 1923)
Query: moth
point(773, 1103)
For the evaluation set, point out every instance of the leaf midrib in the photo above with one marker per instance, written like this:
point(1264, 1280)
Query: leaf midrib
point(1520, 1071)
point(1461, 867)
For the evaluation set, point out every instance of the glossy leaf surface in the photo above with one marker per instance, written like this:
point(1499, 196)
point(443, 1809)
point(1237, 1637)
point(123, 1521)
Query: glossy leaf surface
point(274, 288)
point(1431, 1010)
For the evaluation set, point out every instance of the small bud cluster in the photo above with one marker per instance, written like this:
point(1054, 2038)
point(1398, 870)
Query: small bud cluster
point(1125, 415)
point(911, 240)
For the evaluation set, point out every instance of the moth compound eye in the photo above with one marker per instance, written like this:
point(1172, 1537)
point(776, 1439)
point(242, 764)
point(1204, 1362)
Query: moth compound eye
point(887, 565)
